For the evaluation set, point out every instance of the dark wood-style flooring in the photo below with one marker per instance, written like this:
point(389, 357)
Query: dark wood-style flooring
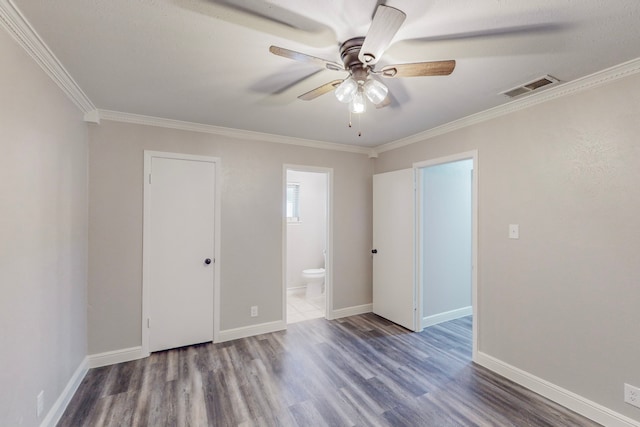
point(355, 371)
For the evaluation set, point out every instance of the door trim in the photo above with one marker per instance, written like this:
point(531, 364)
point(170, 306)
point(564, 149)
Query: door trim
point(146, 236)
point(328, 267)
point(467, 155)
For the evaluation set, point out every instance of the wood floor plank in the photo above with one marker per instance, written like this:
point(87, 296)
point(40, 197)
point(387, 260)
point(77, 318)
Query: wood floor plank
point(356, 371)
point(85, 402)
point(306, 414)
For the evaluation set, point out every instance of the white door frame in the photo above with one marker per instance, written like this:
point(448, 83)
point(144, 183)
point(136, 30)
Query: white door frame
point(146, 242)
point(468, 155)
point(328, 267)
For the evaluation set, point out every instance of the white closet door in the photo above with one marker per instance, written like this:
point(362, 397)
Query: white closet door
point(181, 270)
point(393, 241)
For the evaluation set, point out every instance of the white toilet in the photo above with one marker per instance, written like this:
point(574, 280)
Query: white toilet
point(314, 278)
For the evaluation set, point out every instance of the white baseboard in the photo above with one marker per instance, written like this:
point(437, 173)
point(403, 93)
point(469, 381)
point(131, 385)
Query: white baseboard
point(134, 353)
point(446, 316)
point(566, 398)
point(249, 331)
point(351, 311)
point(61, 403)
point(116, 356)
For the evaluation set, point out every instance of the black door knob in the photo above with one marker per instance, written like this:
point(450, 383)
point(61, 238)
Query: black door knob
point(207, 261)
point(374, 251)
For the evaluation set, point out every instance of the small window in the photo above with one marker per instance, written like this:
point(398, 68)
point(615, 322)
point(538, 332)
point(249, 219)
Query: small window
point(293, 202)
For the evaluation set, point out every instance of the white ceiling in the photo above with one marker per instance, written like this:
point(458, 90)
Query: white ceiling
point(206, 62)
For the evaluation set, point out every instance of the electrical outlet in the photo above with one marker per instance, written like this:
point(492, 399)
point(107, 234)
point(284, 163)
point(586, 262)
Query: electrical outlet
point(254, 311)
point(632, 395)
point(40, 403)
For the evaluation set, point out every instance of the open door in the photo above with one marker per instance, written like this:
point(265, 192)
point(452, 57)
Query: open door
point(394, 291)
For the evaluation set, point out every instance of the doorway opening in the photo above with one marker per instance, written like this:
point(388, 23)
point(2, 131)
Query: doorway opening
point(307, 252)
point(446, 240)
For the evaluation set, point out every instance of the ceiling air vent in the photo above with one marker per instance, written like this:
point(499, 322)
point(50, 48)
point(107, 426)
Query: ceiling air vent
point(531, 86)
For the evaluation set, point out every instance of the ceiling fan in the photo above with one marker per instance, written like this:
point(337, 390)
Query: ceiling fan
point(359, 55)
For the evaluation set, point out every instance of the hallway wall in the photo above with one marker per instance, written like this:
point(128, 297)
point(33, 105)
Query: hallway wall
point(446, 237)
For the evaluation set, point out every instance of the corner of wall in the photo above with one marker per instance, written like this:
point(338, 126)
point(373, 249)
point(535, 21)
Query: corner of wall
point(61, 403)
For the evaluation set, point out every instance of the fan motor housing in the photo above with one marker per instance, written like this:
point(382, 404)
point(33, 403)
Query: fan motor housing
point(349, 51)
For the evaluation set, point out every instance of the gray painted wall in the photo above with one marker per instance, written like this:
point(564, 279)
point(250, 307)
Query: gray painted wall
point(307, 239)
point(446, 237)
point(562, 301)
point(252, 219)
point(43, 237)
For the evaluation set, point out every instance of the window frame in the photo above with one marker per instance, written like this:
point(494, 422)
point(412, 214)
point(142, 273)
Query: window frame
point(294, 204)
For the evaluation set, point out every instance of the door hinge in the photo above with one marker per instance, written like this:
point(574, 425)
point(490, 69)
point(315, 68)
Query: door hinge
point(149, 178)
point(148, 323)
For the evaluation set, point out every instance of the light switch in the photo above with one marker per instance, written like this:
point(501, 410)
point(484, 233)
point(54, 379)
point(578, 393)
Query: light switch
point(514, 231)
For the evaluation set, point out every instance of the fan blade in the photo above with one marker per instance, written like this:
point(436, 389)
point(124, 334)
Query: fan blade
point(418, 69)
point(283, 88)
point(327, 87)
point(265, 17)
point(385, 25)
point(502, 41)
point(302, 57)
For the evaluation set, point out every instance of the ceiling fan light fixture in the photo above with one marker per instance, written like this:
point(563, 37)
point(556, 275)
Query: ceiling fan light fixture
point(347, 90)
point(359, 57)
point(375, 91)
point(358, 104)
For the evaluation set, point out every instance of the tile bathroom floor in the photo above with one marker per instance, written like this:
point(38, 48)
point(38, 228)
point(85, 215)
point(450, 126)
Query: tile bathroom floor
point(300, 308)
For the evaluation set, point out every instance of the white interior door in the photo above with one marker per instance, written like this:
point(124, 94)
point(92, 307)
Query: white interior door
point(181, 252)
point(393, 240)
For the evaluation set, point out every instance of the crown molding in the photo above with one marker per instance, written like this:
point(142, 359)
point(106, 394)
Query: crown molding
point(19, 28)
point(92, 116)
point(118, 116)
point(596, 79)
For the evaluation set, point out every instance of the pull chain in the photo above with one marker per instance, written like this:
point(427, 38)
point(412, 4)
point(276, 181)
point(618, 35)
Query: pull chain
point(351, 123)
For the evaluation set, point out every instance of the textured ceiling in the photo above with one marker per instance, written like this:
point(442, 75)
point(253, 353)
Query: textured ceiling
point(208, 61)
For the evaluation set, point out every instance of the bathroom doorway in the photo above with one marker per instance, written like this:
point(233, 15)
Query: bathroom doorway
point(307, 243)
